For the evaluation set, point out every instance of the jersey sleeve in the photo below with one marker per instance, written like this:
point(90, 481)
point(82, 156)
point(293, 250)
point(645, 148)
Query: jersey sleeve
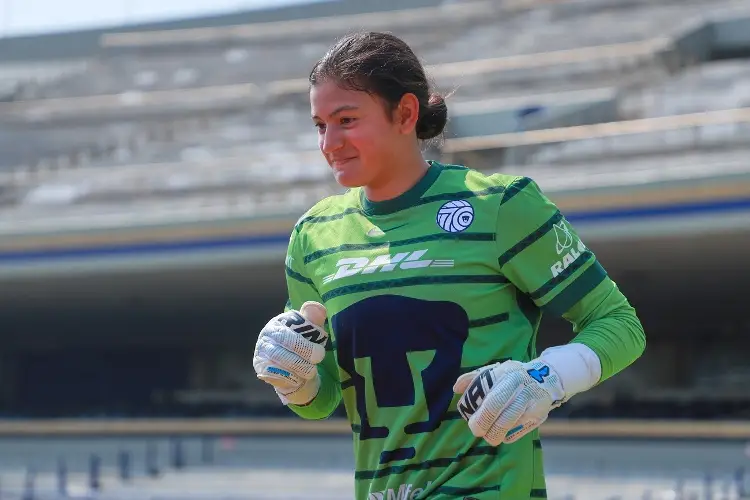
point(543, 256)
point(302, 289)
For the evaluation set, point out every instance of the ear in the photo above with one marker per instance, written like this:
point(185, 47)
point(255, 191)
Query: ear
point(407, 113)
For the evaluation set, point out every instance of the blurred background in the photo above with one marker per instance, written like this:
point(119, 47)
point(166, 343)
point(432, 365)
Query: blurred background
point(155, 156)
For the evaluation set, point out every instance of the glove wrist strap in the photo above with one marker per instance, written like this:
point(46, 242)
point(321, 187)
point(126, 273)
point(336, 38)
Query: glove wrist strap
point(302, 396)
point(577, 366)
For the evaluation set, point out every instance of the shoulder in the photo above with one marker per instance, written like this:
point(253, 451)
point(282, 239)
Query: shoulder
point(495, 188)
point(329, 207)
point(462, 177)
point(509, 200)
point(300, 234)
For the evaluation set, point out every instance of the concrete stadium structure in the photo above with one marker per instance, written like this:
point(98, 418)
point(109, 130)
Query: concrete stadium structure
point(140, 221)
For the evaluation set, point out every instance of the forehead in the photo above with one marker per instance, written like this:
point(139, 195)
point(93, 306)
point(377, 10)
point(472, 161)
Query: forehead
point(328, 97)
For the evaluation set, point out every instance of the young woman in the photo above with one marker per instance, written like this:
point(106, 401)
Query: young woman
point(434, 278)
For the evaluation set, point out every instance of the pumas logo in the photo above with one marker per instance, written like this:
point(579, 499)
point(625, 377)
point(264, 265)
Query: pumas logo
point(351, 266)
point(455, 216)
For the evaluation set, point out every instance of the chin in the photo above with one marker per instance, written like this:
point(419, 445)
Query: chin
point(349, 179)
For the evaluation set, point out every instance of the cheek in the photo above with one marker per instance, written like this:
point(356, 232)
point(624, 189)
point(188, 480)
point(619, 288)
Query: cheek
point(369, 143)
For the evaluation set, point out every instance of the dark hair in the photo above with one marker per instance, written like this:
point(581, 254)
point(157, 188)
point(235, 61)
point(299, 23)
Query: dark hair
point(384, 65)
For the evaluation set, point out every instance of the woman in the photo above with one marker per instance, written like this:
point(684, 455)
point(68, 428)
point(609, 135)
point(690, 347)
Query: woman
point(434, 278)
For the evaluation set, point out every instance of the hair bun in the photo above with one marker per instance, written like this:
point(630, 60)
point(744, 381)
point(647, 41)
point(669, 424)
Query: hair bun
point(433, 118)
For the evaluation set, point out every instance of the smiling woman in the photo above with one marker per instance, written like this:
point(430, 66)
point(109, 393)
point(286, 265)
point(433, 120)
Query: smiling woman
point(368, 107)
point(434, 279)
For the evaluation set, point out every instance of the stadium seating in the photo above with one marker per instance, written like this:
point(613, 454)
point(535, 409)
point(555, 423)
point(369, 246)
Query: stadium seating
point(214, 123)
point(491, 36)
point(16, 79)
point(711, 86)
point(202, 115)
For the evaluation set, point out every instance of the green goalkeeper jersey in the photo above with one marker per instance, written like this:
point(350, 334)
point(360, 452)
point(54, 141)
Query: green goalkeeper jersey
point(450, 276)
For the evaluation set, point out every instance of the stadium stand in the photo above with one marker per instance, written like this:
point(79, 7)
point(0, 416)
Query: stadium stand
point(148, 105)
point(515, 59)
point(185, 125)
point(514, 63)
point(206, 64)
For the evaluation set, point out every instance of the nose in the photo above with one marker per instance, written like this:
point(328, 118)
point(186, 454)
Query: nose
point(331, 140)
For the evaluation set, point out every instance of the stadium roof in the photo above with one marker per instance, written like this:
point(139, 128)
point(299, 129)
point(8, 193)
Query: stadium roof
point(85, 43)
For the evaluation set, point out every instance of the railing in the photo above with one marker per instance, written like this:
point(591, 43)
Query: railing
point(520, 148)
point(138, 463)
point(230, 465)
point(28, 175)
point(738, 430)
point(612, 129)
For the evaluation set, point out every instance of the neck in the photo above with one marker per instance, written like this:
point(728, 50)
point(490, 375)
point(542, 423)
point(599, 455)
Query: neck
point(398, 178)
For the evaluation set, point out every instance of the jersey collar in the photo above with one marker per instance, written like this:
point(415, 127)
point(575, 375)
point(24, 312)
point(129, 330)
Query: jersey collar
point(405, 200)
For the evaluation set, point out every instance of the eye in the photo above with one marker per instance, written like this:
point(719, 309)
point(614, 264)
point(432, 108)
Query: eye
point(348, 121)
point(321, 127)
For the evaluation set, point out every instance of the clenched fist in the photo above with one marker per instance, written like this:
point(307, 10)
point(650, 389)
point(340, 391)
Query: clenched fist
point(287, 351)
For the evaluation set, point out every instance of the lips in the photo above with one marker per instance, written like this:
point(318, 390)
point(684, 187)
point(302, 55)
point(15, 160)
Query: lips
point(340, 162)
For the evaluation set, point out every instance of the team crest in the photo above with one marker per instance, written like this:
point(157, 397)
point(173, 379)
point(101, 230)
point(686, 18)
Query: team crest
point(455, 216)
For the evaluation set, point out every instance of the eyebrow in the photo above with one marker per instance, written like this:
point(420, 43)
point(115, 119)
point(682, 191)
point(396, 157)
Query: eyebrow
point(340, 109)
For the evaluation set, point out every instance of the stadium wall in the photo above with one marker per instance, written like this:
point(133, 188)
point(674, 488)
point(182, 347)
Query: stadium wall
point(685, 223)
point(621, 208)
point(555, 428)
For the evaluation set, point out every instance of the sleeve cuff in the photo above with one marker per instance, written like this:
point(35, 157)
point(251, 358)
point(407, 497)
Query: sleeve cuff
point(577, 365)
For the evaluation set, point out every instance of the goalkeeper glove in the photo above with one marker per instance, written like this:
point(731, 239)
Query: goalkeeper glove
point(287, 351)
point(505, 401)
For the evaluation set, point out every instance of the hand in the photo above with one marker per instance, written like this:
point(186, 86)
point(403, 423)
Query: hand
point(287, 351)
point(505, 401)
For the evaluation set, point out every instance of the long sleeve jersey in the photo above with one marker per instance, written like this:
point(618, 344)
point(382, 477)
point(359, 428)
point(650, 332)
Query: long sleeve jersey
point(450, 276)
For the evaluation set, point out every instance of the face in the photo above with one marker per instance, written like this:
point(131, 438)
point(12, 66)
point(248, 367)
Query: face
point(356, 134)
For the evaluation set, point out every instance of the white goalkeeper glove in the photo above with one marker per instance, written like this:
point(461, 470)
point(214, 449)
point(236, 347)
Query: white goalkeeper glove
point(505, 401)
point(287, 351)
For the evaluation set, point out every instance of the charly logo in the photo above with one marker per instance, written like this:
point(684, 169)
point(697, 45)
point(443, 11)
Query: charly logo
point(455, 216)
point(568, 247)
point(564, 238)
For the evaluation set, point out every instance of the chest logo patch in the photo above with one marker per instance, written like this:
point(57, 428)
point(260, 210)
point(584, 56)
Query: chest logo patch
point(455, 216)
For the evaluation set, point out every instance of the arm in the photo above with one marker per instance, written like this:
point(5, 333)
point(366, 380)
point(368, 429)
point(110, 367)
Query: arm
point(301, 289)
point(541, 254)
point(545, 259)
point(608, 325)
